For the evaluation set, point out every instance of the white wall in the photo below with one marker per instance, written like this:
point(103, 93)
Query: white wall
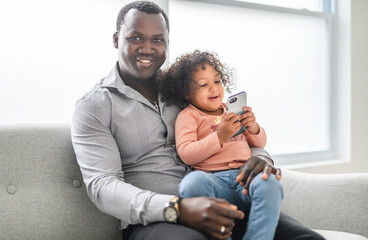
point(51, 53)
point(359, 97)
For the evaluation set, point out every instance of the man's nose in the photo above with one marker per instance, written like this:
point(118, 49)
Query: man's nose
point(146, 48)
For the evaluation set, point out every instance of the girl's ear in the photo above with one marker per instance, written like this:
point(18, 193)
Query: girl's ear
point(191, 88)
point(187, 94)
point(187, 97)
point(116, 40)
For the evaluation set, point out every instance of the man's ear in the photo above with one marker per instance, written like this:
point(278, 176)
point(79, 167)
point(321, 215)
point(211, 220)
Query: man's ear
point(116, 40)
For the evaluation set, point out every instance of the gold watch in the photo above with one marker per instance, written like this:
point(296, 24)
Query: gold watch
point(171, 210)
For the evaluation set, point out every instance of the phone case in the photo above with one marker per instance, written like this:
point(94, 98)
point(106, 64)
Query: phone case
point(235, 104)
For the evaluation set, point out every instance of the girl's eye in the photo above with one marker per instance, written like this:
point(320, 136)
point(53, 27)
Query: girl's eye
point(203, 85)
point(217, 82)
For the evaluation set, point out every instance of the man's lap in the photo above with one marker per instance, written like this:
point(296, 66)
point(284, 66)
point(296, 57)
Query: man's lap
point(162, 231)
point(287, 229)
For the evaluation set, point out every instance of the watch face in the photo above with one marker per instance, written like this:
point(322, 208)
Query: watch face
point(170, 214)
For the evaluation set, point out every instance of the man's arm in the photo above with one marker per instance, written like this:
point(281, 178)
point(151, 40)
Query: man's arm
point(100, 163)
point(261, 152)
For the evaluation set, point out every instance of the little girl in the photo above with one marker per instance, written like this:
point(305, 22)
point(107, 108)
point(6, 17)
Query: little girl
point(204, 130)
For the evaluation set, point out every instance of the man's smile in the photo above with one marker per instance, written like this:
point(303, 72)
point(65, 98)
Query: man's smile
point(145, 61)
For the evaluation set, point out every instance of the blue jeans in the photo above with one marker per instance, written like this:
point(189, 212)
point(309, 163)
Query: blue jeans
point(263, 200)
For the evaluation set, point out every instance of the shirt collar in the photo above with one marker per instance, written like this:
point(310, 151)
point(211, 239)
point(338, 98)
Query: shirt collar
point(113, 79)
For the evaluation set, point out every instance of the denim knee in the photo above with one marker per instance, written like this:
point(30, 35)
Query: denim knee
point(195, 184)
point(271, 187)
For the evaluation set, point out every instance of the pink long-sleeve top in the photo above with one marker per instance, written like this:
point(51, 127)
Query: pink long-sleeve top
point(198, 144)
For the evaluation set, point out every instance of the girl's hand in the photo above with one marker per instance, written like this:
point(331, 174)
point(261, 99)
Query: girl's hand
point(228, 127)
point(248, 120)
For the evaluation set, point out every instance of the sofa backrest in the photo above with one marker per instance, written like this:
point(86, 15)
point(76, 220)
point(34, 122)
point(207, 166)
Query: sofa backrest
point(336, 202)
point(42, 195)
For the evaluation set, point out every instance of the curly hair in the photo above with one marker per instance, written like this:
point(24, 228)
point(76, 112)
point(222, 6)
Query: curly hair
point(143, 6)
point(174, 82)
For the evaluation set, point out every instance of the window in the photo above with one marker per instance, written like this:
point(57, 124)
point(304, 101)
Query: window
point(281, 58)
point(284, 55)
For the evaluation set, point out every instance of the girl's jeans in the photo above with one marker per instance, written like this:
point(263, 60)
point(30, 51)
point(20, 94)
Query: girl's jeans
point(263, 200)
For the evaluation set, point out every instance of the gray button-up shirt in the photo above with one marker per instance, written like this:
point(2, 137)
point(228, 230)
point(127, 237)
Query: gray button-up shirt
point(126, 151)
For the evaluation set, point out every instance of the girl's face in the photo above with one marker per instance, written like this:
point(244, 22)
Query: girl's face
point(206, 91)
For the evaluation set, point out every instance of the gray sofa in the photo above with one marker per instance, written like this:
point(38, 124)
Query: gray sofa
point(42, 195)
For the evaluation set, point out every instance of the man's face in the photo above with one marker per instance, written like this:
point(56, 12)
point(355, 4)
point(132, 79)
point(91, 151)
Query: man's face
point(142, 44)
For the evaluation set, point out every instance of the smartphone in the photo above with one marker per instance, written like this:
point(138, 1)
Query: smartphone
point(235, 104)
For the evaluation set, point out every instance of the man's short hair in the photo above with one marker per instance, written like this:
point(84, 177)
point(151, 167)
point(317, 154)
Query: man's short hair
point(143, 6)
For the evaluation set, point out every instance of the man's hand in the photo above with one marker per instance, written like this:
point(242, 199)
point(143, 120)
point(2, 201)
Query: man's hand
point(214, 217)
point(252, 167)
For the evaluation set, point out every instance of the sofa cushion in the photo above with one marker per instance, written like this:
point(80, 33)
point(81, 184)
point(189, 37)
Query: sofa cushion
point(336, 235)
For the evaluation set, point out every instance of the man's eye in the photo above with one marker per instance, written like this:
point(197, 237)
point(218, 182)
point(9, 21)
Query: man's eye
point(134, 38)
point(158, 40)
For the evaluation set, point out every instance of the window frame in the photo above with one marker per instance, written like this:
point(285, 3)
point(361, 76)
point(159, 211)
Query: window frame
point(328, 14)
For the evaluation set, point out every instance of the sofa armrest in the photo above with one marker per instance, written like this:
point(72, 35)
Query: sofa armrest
point(327, 201)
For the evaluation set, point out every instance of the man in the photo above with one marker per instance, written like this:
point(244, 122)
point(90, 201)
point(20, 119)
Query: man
point(123, 138)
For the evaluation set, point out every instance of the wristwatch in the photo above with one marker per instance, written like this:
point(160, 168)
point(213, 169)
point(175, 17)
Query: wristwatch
point(171, 210)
